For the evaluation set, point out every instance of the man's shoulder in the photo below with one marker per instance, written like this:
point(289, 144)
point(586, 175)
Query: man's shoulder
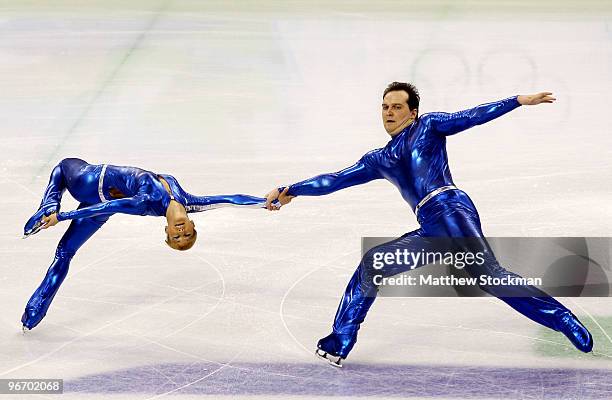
point(372, 154)
point(371, 158)
point(427, 117)
point(430, 123)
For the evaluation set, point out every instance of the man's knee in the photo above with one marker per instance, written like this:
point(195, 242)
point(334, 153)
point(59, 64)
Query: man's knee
point(373, 259)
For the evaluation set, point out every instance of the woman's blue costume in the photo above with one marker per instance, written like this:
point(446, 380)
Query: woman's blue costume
point(104, 190)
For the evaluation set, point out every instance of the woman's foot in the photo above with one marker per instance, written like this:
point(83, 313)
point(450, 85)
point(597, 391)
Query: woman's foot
point(34, 314)
point(35, 223)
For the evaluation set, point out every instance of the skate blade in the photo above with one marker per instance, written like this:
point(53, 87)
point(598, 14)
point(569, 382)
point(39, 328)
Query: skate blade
point(37, 228)
point(335, 361)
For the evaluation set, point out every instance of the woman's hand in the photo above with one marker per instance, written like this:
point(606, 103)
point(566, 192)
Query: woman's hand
point(49, 221)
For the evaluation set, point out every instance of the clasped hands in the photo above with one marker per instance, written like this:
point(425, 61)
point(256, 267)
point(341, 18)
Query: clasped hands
point(280, 195)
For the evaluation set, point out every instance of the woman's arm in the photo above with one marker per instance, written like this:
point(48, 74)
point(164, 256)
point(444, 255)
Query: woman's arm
point(136, 205)
point(204, 203)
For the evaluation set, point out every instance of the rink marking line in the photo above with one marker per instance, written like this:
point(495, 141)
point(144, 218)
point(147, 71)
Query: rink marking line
point(131, 333)
point(99, 260)
point(85, 299)
point(25, 188)
point(594, 320)
point(78, 332)
point(152, 341)
point(101, 88)
point(221, 367)
point(434, 325)
point(219, 299)
point(44, 356)
point(130, 305)
point(459, 327)
point(214, 307)
point(282, 303)
point(183, 291)
point(161, 373)
point(198, 358)
point(128, 288)
point(94, 331)
point(430, 325)
point(246, 305)
point(237, 303)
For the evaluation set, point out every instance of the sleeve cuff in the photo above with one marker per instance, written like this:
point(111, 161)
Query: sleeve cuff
point(289, 192)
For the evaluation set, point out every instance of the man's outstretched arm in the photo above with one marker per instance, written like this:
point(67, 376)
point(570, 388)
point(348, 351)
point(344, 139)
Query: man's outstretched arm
point(359, 173)
point(451, 123)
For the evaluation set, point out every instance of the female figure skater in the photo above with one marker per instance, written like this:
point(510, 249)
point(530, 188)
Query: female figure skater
point(104, 190)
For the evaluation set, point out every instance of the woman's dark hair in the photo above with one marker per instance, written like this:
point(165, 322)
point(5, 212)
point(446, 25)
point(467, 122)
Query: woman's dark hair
point(413, 93)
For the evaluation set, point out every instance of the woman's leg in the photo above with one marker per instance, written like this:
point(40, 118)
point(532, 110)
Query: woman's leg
point(79, 231)
point(61, 176)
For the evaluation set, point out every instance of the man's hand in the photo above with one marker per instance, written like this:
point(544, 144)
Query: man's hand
point(49, 221)
point(533, 99)
point(282, 197)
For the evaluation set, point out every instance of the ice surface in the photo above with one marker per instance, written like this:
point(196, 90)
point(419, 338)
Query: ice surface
point(243, 97)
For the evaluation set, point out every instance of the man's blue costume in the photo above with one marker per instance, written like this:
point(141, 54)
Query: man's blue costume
point(415, 161)
point(103, 190)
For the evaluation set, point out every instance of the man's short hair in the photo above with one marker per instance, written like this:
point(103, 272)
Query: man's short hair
point(413, 93)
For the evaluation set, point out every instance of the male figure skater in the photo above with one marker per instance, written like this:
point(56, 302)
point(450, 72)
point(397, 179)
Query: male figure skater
point(104, 190)
point(415, 161)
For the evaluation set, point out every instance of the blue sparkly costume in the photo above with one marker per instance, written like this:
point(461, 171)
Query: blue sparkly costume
point(415, 161)
point(103, 190)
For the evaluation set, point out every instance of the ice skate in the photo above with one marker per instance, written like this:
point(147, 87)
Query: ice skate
point(335, 347)
point(577, 333)
point(34, 224)
point(35, 229)
point(336, 361)
point(33, 315)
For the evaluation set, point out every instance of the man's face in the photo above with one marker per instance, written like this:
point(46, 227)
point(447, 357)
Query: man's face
point(395, 112)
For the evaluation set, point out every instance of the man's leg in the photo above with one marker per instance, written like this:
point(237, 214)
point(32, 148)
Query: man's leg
point(78, 232)
point(464, 225)
point(53, 193)
point(359, 296)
